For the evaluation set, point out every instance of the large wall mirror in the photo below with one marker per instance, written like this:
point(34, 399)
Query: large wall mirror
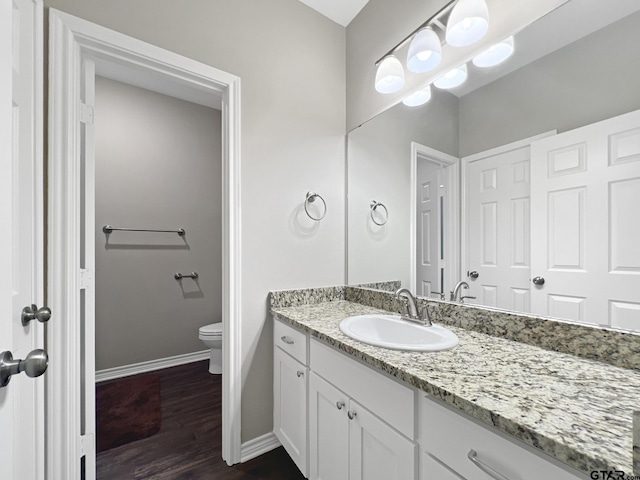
point(524, 182)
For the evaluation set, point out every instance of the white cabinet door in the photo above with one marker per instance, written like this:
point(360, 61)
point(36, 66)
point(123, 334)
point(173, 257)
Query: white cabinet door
point(328, 431)
point(290, 407)
point(377, 451)
point(433, 470)
point(585, 223)
point(497, 229)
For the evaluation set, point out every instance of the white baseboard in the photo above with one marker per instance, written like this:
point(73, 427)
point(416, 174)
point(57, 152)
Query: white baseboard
point(256, 447)
point(150, 366)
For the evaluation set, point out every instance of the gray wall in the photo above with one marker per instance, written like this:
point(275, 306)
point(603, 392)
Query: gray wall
point(158, 165)
point(291, 61)
point(592, 79)
point(379, 164)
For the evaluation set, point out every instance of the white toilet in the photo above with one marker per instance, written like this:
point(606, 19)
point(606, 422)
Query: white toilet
point(211, 336)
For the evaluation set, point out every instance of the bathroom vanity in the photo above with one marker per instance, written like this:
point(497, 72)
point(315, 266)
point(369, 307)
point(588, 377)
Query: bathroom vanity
point(489, 408)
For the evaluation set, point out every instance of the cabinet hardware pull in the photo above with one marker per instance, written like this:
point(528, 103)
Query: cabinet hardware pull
point(339, 404)
point(351, 414)
point(300, 373)
point(286, 340)
point(473, 456)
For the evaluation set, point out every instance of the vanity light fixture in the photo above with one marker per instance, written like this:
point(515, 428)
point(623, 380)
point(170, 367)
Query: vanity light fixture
point(425, 51)
point(452, 78)
point(419, 97)
point(495, 54)
point(390, 75)
point(468, 22)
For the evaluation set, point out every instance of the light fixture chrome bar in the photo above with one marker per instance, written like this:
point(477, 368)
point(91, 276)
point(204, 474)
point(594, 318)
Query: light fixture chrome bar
point(444, 10)
point(108, 229)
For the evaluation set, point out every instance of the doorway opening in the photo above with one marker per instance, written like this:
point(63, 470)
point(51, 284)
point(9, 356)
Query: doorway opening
point(79, 51)
point(435, 235)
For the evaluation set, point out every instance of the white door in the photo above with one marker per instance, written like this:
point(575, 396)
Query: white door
point(290, 406)
point(585, 223)
point(328, 431)
point(377, 451)
point(21, 248)
point(497, 229)
point(430, 255)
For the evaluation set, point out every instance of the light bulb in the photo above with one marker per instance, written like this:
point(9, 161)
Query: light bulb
point(495, 55)
point(389, 76)
point(419, 97)
point(425, 51)
point(452, 78)
point(468, 22)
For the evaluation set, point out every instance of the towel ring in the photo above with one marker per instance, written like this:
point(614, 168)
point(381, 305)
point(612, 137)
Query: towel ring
point(375, 205)
point(310, 198)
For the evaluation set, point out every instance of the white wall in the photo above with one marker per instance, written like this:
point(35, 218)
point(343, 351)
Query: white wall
point(158, 165)
point(291, 61)
point(379, 168)
point(382, 24)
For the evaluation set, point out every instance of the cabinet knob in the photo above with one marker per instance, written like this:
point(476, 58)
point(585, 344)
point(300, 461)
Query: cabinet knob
point(299, 373)
point(538, 280)
point(286, 340)
point(339, 404)
point(351, 414)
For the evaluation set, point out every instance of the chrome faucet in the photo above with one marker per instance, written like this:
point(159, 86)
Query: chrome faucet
point(456, 291)
point(411, 308)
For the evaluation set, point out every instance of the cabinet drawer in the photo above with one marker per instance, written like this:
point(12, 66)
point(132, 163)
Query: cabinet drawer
point(383, 396)
point(292, 341)
point(450, 436)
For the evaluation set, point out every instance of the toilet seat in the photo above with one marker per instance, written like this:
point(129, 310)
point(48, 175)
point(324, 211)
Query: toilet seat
point(211, 330)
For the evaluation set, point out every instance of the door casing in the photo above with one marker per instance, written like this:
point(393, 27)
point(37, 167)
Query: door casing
point(423, 152)
point(72, 41)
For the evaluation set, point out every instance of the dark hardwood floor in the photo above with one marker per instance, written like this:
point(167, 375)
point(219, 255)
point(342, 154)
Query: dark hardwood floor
point(188, 445)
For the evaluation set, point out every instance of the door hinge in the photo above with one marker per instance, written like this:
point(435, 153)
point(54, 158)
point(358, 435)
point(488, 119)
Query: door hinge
point(86, 114)
point(86, 279)
point(87, 445)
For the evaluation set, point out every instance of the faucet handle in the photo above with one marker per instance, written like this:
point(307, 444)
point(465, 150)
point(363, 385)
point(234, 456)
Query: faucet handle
point(424, 316)
point(466, 296)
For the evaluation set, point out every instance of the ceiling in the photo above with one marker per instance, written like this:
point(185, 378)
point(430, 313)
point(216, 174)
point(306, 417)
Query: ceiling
point(340, 11)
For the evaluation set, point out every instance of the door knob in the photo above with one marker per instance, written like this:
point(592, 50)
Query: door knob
point(34, 365)
point(32, 312)
point(473, 274)
point(538, 280)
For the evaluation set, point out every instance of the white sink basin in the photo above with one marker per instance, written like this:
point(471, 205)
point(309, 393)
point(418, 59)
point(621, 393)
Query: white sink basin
point(390, 331)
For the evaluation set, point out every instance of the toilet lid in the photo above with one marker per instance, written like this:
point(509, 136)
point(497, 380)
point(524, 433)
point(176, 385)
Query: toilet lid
point(213, 329)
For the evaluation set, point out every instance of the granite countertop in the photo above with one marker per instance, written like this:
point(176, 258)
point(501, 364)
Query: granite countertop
point(577, 410)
